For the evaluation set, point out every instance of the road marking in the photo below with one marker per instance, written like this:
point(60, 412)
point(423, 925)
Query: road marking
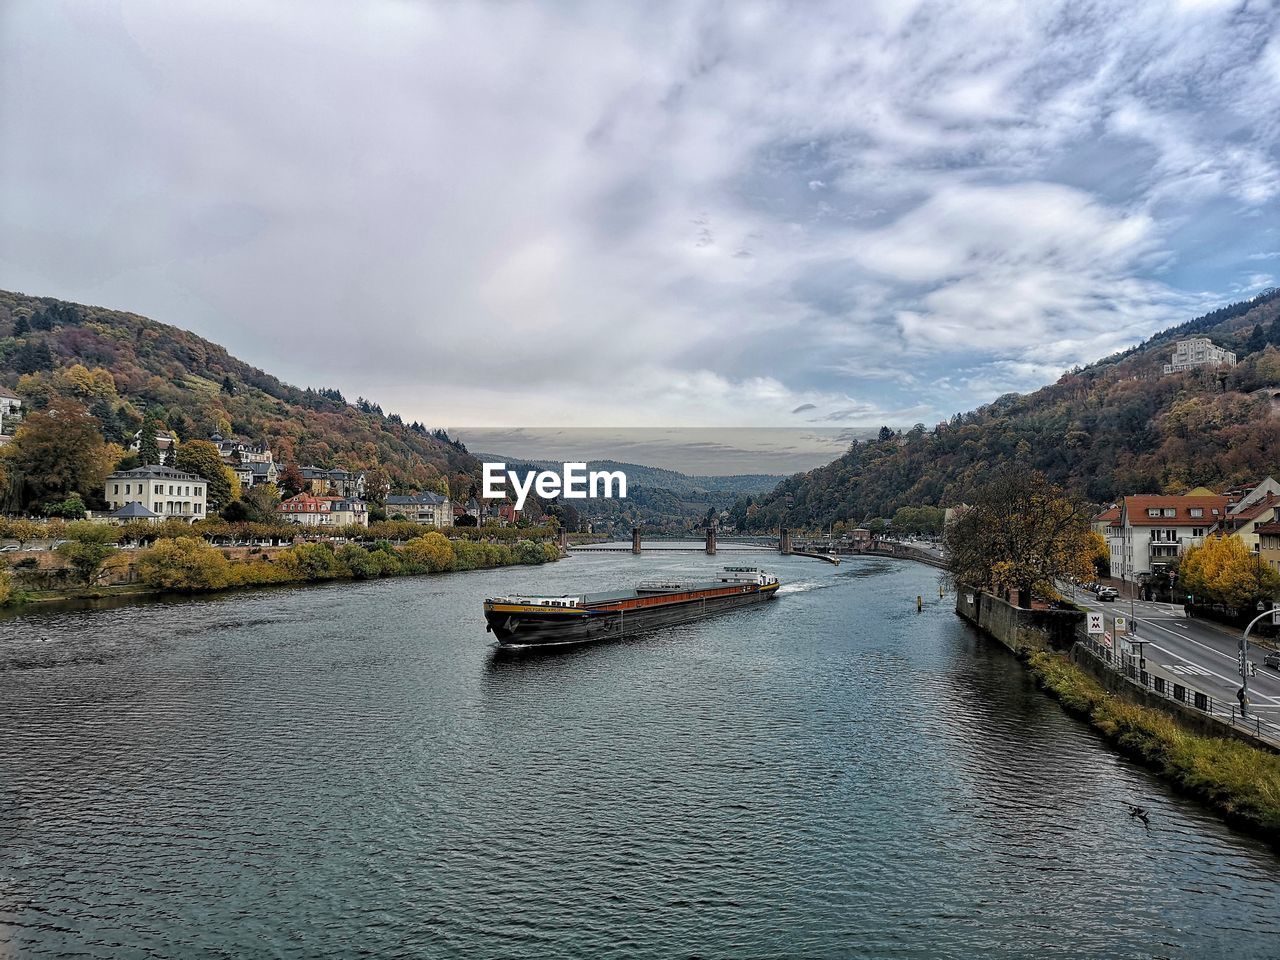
point(1232, 681)
point(1178, 668)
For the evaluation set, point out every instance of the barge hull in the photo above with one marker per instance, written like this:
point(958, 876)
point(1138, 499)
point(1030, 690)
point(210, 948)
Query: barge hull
point(538, 628)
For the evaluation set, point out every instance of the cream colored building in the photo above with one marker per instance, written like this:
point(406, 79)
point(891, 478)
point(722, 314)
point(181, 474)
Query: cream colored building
point(168, 493)
point(1198, 352)
point(311, 511)
point(429, 508)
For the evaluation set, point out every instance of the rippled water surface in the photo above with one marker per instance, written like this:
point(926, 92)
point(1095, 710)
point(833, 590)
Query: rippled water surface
point(353, 770)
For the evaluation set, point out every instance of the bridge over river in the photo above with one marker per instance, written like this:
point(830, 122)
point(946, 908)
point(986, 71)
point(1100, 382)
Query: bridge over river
point(713, 544)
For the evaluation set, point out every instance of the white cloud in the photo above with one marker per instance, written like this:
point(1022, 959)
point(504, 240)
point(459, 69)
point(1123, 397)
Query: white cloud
point(677, 212)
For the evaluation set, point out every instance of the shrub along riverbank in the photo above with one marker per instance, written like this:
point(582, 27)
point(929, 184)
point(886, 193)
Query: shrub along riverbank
point(190, 564)
point(1241, 782)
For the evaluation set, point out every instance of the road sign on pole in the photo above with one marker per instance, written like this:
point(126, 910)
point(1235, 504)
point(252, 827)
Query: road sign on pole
point(1095, 624)
point(1121, 626)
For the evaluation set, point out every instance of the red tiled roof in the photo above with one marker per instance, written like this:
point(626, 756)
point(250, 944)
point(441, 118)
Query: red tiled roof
point(1135, 510)
point(303, 503)
point(1110, 514)
point(1252, 512)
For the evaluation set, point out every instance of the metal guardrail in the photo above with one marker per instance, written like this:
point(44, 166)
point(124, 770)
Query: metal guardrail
point(1224, 712)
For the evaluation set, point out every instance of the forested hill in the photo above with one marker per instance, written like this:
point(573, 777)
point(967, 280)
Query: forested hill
point(1115, 427)
point(124, 367)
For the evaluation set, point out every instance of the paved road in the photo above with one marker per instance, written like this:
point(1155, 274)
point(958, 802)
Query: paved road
point(1200, 654)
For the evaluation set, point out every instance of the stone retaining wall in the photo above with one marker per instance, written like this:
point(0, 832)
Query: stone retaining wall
point(1019, 629)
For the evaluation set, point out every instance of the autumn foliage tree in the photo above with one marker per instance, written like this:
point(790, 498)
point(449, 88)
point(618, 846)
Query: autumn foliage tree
point(57, 452)
point(432, 552)
point(1099, 553)
point(1021, 534)
point(88, 548)
point(290, 481)
point(183, 563)
point(1224, 570)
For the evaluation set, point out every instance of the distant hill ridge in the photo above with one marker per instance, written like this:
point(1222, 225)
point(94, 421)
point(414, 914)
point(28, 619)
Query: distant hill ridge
point(196, 388)
point(1112, 428)
point(657, 478)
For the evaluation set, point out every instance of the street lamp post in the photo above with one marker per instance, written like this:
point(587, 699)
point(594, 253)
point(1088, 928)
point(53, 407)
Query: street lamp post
point(1243, 695)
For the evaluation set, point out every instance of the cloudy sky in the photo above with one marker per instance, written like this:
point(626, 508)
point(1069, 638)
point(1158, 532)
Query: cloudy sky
point(606, 214)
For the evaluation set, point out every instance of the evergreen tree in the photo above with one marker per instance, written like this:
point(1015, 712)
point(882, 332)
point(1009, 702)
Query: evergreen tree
point(228, 386)
point(1257, 339)
point(149, 449)
point(21, 325)
point(33, 357)
point(105, 413)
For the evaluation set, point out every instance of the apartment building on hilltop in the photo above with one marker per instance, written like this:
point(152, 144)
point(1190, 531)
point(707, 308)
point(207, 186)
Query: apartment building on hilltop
point(1198, 352)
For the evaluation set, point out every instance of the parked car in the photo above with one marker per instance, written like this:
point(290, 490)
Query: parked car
point(1272, 660)
point(8, 547)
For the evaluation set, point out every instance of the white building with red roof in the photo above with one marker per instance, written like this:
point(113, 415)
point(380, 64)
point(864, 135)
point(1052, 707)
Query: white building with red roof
point(1155, 529)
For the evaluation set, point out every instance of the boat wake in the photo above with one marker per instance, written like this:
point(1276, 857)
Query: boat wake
point(804, 586)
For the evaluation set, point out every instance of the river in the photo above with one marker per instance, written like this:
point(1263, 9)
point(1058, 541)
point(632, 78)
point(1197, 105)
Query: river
point(353, 769)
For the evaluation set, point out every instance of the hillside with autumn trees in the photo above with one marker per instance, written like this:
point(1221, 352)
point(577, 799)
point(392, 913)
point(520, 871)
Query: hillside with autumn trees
point(89, 369)
point(1115, 427)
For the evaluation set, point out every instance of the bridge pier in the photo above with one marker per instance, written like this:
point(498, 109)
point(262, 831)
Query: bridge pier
point(711, 541)
point(784, 542)
point(635, 540)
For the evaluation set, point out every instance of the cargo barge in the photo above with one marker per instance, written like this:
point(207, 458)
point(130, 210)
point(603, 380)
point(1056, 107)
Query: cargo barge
point(520, 621)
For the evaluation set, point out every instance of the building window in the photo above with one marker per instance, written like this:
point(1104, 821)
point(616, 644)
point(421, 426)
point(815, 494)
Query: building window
point(1170, 512)
point(1197, 511)
point(1153, 511)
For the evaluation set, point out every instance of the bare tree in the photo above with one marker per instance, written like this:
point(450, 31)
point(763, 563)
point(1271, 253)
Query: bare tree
point(1022, 533)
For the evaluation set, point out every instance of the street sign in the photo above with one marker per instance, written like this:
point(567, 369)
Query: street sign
point(1121, 626)
point(1275, 613)
point(1095, 624)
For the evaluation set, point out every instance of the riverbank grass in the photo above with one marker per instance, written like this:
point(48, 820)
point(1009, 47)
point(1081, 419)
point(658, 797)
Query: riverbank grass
point(1242, 782)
